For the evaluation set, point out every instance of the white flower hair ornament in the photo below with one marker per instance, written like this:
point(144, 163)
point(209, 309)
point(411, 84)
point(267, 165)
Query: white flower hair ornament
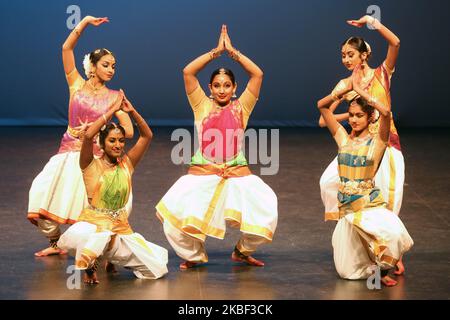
point(369, 49)
point(87, 65)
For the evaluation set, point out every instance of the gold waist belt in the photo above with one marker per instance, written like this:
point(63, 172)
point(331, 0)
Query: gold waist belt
point(352, 187)
point(114, 214)
point(220, 170)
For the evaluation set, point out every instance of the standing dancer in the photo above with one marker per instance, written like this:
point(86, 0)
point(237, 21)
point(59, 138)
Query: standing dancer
point(219, 186)
point(391, 174)
point(57, 195)
point(102, 228)
point(367, 233)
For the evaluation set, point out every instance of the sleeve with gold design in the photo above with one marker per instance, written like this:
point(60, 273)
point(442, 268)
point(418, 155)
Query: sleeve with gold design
point(341, 136)
point(75, 81)
point(248, 101)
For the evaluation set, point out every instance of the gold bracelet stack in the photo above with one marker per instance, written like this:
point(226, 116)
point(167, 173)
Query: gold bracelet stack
point(335, 96)
point(78, 33)
point(374, 22)
point(139, 122)
point(235, 55)
point(372, 101)
point(214, 54)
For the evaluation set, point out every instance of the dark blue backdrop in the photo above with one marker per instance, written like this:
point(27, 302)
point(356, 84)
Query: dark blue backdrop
point(296, 43)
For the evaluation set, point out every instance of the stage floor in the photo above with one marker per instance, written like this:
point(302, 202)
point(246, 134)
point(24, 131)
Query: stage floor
point(299, 262)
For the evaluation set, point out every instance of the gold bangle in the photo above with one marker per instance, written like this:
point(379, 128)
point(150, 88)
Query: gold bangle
point(139, 122)
point(77, 32)
point(214, 54)
point(374, 22)
point(104, 118)
point(334, 96)
point(235, 55)
point(372, 101)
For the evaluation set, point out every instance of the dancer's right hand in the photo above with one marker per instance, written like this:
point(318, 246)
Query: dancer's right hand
point(95, 21)
point(360, 22)
point(356, 78)
point(348, 84)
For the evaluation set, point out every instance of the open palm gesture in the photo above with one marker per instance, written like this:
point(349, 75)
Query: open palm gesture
point(96, 21)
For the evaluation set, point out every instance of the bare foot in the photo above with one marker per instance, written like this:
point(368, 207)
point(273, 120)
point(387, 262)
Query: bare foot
point(247, 259)
point(90, 277)
point(187, 264)
point(399, 268)
point(110, 268)
point(388, 281)
point(50, 251)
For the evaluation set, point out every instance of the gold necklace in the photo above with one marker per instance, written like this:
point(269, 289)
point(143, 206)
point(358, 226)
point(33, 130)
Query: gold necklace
point(109, 164)
point(217, 106)
point(93, 88)
point(358, 141)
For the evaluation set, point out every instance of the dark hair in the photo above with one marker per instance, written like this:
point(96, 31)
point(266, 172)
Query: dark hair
point(96, 55)
point(226, 71)
point(365, 106)
point(357, 43)
point(104, 132)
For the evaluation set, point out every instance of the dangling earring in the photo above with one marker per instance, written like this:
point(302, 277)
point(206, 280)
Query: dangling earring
point(373, 125)
point(234, 95)
point(211, 96)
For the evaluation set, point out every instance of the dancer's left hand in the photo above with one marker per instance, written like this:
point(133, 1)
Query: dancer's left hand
point(228, 46)
point(126, 104)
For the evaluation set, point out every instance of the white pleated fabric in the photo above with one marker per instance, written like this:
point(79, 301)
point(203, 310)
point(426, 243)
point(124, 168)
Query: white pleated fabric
point(146, 259)
point(201, 205)
point(370, 237)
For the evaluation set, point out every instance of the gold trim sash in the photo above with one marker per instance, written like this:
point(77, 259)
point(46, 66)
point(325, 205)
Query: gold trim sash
point(220, 170)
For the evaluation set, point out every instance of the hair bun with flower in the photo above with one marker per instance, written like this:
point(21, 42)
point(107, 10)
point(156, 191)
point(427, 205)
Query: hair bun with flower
point(87, 65)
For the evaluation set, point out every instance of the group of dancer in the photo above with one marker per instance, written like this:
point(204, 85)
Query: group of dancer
point(88, 183)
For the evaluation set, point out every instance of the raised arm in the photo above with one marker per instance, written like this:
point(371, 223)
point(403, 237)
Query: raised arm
point(255, 73)
point(385, 111)
point(190, 71)
point(334, 99)
point(71, 41)
point(339, 117)
point(330, 121)
point(86, 153)
point(136, 153)
point(391, 38)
